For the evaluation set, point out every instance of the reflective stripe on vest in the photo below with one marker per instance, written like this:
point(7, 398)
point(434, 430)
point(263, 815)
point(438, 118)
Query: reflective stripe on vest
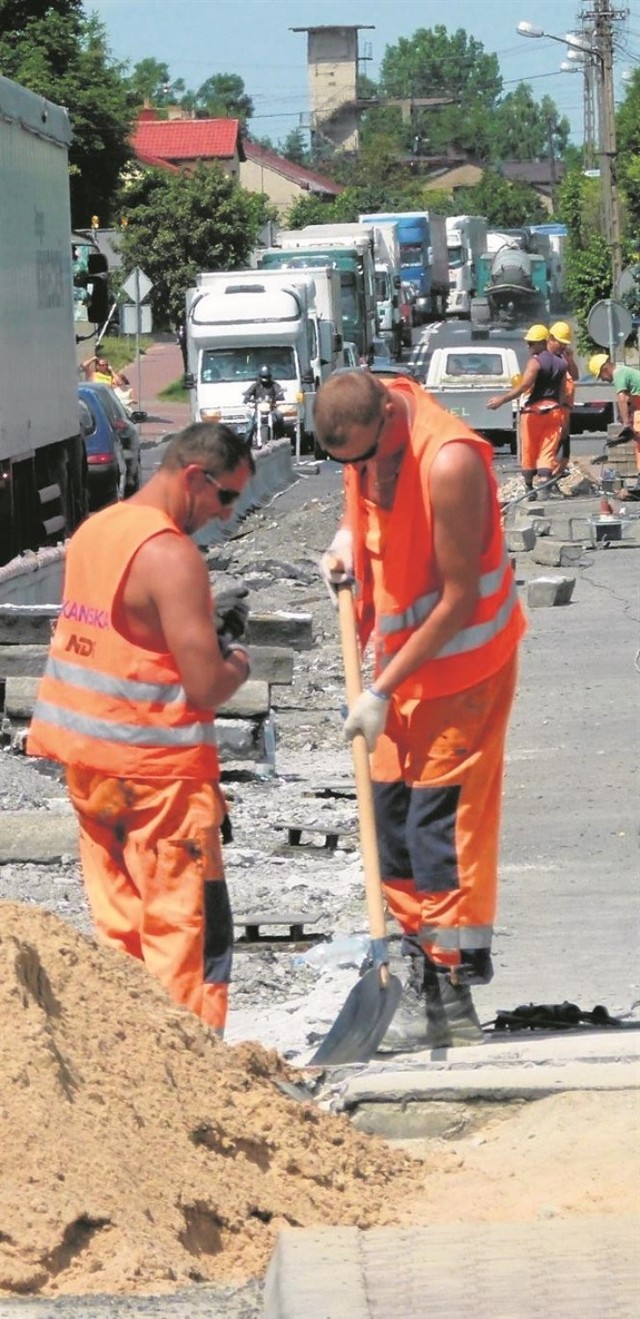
point(129, 688)
point(488, 584)
point(457, 937)
point(186, 735)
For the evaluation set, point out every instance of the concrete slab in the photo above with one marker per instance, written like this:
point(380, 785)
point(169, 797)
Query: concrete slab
point(578, 1269)
point(40, 837)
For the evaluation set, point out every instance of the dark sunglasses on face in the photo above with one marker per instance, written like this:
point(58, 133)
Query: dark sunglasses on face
point(225, 495)
point(368, 453)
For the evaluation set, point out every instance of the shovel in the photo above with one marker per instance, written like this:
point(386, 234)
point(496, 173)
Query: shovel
point(364, 1020)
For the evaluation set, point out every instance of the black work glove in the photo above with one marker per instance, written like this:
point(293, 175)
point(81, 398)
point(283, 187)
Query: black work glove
point(627, 433)
point(232, 613)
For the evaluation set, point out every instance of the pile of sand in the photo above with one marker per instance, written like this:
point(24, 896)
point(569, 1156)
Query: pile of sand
point(139, 1153)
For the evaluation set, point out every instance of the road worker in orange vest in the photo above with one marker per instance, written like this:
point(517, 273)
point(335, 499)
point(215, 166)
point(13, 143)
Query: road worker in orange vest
point(435, 595)
point(137, 667)
point(560, 343)
point(543, 411)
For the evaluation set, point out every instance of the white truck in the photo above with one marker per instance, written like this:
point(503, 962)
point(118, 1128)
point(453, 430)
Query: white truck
point(349, 249)
point(466, 241)
point(388, 277)
point(43, 490)
point(240, 321)
point(463, 377)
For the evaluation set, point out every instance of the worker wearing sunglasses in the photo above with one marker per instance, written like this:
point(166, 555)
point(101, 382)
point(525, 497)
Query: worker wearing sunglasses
point(138, 666)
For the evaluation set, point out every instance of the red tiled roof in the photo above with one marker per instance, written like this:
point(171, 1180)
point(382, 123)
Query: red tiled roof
point(305, 178)
point(188, 139)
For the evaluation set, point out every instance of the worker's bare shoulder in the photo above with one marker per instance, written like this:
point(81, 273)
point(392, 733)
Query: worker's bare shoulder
point(455, 459)
point(170, 562)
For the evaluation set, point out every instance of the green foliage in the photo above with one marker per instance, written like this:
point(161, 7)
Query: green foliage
point(588, 256)
point(506, 205)
point(628, 142)
point(295, 148)
point(180, 224)
point(521, 127)
point(150, 82)
point(223, 96)
point(53, 49)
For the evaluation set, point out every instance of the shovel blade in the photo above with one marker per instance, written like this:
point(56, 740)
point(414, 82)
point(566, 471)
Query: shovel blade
point(362, 1022)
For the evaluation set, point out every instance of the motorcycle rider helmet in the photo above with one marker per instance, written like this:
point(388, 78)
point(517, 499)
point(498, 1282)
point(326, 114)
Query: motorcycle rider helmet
point(597, 362)
point(536, 334)
point(264, 375)
point(561, 331)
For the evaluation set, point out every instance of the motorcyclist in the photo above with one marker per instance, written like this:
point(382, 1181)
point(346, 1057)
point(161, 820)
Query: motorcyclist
point(265, 388)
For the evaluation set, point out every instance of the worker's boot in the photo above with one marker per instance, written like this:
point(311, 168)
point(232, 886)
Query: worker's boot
point(419, 1021)
point(459, 1013)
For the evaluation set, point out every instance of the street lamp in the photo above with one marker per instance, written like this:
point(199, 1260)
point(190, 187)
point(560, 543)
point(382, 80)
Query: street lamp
point(597, 50)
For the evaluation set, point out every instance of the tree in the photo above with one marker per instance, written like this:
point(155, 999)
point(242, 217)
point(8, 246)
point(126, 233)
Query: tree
point(151, 81)
point(588, 256)
point(179, 224)
point(295, 148)
point(628, 142)
point(52, 48)
point(433, 63)
point(521, 127)
point(506, 205)
point(223, 96)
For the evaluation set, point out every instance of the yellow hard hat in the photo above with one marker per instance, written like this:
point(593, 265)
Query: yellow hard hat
point(597, 362)
point(536, 334)
point(561, 331)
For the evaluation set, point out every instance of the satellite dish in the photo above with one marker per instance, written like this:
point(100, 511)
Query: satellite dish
point(609, 323)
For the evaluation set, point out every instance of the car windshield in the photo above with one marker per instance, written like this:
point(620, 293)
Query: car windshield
point(456, 257)
point(243, 364)
point(491, 365)
point(411, 254)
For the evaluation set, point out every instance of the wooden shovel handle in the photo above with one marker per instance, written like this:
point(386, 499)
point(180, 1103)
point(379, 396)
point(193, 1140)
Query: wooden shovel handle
point(366, 816)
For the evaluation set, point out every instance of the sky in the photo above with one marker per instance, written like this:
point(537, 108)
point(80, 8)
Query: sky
point(197, 38)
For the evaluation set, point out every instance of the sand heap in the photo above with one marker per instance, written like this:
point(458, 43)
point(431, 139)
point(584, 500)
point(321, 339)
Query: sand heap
point(139, 1153)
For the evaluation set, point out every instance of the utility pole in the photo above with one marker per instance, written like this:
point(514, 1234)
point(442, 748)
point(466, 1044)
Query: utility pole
point(601, 20)
point(552, 162)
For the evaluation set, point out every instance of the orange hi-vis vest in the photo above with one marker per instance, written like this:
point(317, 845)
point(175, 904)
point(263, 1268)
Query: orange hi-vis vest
point(396, 598)
point(105, 703)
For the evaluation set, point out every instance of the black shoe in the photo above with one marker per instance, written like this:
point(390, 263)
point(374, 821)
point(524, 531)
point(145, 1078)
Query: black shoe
point(419, 1021)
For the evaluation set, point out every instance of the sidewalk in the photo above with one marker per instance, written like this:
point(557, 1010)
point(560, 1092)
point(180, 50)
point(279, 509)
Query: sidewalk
point(160, 366)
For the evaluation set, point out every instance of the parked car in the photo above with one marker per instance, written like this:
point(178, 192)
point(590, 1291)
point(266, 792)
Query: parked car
point(593, 408)
point(106, 464)
point(124, 427)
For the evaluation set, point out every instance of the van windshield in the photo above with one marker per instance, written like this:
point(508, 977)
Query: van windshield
point(243, 363)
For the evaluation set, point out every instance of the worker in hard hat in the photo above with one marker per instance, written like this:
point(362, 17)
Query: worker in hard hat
point(626, 382)
point(560, 343)
point(542, 414)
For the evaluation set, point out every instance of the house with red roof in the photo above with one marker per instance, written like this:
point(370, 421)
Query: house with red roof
point(282, 181)
point(181, 143)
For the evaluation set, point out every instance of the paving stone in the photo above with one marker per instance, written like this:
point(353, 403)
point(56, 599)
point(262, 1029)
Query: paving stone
point(40, 837)
point(520, 538)
point(296, 630)
point(250, 701)
point(556, 553)
point(545, 591)
point(578, 1269)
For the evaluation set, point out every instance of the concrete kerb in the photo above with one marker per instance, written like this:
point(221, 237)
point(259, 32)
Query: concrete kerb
point(274, 472)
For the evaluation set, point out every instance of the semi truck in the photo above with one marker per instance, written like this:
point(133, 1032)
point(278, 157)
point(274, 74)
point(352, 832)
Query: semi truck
point(239, 321)
point(388, 276)
point(351, 254)
point(422, 239)
point(43, 472)
point(466, 241)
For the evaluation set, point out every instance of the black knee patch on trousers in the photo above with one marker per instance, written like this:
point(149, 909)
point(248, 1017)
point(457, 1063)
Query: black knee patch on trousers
point(431, 838)
point(218, 932)
point(391, 804)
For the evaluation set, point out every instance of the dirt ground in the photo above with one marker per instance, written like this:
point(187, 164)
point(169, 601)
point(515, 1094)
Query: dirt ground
point(140, 1154)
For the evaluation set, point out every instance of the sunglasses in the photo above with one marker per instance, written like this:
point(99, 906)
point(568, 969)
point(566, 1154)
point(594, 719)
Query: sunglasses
point(361, 457)
point(225, 495)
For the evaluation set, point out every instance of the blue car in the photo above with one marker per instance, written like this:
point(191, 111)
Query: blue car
point(106, 464)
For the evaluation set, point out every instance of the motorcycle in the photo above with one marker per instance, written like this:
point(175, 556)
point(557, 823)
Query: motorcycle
point(264, 427)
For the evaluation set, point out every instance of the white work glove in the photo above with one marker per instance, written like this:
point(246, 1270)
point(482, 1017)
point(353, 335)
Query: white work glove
point(336, 564)
point(368, 715)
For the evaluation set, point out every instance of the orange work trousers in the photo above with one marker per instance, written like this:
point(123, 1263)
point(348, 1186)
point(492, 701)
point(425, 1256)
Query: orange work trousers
point(437, 780)
point(541, 439)
point(635, 424)
point(152, 866)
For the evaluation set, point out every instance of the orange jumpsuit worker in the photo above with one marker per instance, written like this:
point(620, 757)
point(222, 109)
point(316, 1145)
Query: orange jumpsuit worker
point(559, 342)
point(436, 594)
point(135, 672)
point(542, 417)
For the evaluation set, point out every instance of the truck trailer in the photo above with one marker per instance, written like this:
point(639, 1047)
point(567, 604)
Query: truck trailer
point(466, 241)
point(43, 483)
point(349, 249)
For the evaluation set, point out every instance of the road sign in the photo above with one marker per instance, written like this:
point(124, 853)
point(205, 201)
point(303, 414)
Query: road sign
point(137, 285)
point(609, 323)
point(135, 319)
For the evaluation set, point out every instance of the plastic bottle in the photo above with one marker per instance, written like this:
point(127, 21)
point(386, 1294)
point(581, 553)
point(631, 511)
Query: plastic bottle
point(266, 768)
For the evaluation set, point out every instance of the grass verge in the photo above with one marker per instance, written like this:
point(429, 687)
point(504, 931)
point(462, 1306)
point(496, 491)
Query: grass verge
point(175, 392)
